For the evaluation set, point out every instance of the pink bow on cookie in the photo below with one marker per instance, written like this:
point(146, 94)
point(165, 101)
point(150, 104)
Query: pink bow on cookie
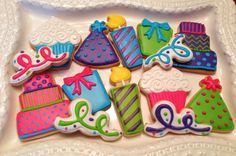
point(80, 78)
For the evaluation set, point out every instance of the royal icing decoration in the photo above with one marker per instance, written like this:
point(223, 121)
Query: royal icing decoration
point(115, 22)
point(82, 120)
point(204, 60)
point(96, 50)
point(127, 44)
point(127, 103)
point(41, 102)
point(85, 85)
point(153, 36)
point(175, 50)
point(209, 106)
point(171, 85)
point(27, 64)
point(168, 120)
point(120, 74)
point(57, 35)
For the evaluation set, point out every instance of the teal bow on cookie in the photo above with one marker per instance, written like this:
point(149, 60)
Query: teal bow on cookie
point(157, 26)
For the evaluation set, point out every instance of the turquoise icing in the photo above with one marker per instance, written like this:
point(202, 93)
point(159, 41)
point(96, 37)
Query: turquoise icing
point(97, 95)
point(59, 48)
point(37, 133)
point(98, 26)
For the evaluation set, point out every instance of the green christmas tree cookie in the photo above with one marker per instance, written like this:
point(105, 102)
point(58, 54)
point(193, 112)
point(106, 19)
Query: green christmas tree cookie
point(209, 106)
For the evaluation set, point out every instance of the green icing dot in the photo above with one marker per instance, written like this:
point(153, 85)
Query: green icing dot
point(28, 72)
point(154, 59)
point(165, 114)
point(37, 56)
point(179, 121)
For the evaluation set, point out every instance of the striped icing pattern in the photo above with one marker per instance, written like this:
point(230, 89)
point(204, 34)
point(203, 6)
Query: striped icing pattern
point(41, 98)
point(192, 28)
point(58, 49)
point(127, 44)
point(127, 103)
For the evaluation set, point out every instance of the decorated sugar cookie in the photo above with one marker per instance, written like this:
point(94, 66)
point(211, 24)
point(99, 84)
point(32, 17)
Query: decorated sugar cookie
point(209, 106)
point(82, 120)
point(204, 60)
point(168, 120)
point(126, 100)
point(159, 84)
point(153, 36)
point(41, 102)
point(57, 35)
point(96, 51)
point(29, 63)
point(88, 85)
point(173, 51)
point(125, 41)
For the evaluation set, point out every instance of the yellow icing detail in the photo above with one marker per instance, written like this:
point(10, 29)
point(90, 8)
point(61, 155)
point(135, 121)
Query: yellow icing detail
point(119, 74)
point(115, 21)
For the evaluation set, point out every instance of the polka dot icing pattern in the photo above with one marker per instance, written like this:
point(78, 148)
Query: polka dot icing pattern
point(167, 120)
point(40, 122)
point(209, 106)
point(82, 120)
point(200, 60)
point(96, 50)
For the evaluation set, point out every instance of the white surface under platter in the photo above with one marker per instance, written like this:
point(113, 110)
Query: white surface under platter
point(19, 18)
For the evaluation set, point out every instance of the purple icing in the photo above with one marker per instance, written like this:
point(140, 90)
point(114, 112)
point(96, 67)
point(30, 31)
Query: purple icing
point(187, 121)
point(96, 50)
point(200, 60)
point(197, 42)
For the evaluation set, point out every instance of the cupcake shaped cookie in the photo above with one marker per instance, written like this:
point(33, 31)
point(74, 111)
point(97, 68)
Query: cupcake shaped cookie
point(59, 36)
point(96, 51)
point(159, 84)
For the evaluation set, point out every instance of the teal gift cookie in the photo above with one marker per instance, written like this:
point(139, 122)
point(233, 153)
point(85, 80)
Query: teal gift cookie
point(153, 36)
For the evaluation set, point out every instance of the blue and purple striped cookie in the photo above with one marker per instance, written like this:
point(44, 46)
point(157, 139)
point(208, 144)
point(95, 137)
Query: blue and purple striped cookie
point(128, 47)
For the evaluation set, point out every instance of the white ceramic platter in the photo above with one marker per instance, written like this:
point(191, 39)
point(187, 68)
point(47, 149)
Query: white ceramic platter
point(19, 18)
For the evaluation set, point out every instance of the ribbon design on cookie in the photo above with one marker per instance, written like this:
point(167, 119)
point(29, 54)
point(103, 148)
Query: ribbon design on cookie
point(156, 26)
point(80, 78)
point(175, 50)
point(27, 64)
point(99, 26)
point(82, 120)
point(168, 120)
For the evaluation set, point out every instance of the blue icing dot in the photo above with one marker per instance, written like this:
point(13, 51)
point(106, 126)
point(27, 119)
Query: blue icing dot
point(193, 58)
point(102, 37)
point(38, 77)
point(214, 61)
point(86, 45)
point(85, 55)
point(87, 39)
point(94, 132)
point(14, 61)
point(208, 64)
point(28, 128)
point(108, 44)
point(111, 53)
point(44, 81)
point(92, 38)
point(97, 34)
point(214, 55)
point(78, 55)
point(106, 60)
point(36, 116)
point(100, 42)
point(199, 63)
point(61, 109)
point(38, 125)
point(93, 48)
point(92, 60)
point(99, 55)
point(104, 49)
point(46, 123)
point(207, 54)
point(34, 83)
point(204, 59)
point(55, 106)
point(91, 119)
point(197, 53)
point(52, 112)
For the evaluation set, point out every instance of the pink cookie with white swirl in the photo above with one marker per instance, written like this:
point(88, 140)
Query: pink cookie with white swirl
point(159, 84)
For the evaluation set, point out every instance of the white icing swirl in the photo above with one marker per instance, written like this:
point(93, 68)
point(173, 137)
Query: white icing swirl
point(54, 31)
point(157, 80)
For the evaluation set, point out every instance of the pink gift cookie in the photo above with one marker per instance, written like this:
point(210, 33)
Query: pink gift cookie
point(159, 84)
point(41, 102)
point(27, 64)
